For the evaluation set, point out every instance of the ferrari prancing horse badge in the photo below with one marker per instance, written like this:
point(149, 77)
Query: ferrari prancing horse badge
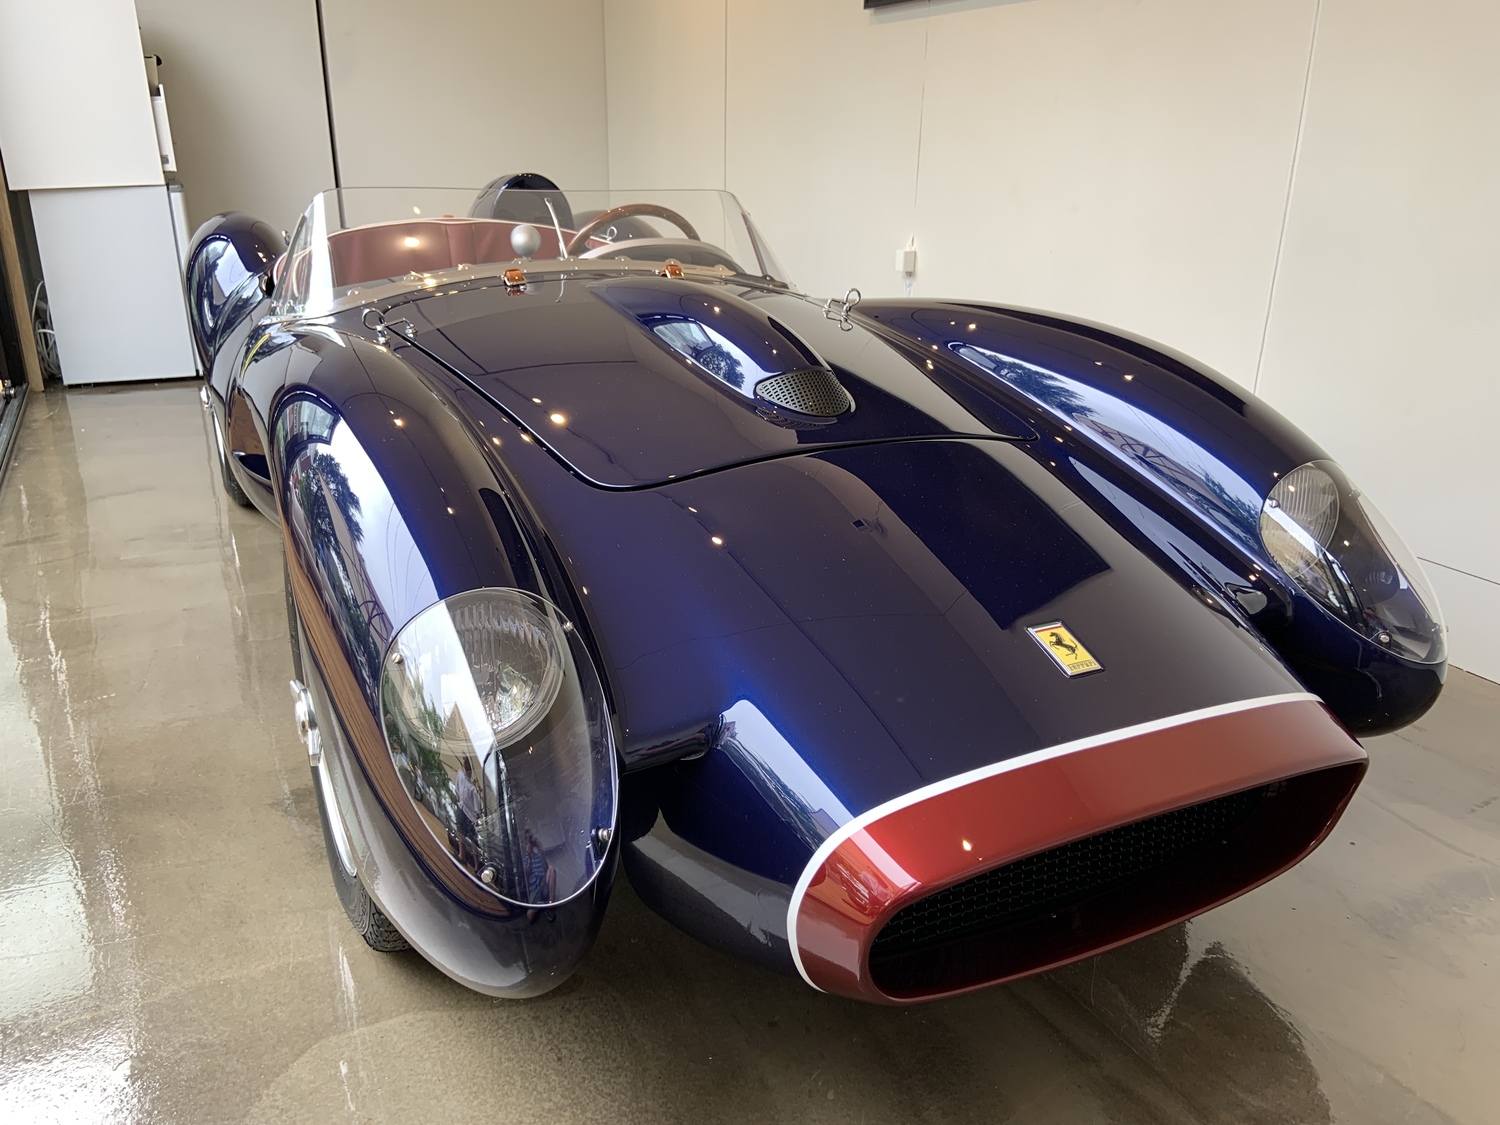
point(1065, 649)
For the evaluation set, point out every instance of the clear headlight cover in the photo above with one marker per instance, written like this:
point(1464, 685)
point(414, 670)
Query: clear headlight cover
point(496, 725)
point(1333, 543)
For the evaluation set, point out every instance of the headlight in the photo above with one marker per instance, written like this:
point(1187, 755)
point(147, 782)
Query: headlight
point(1332, 542)
point(495, 722)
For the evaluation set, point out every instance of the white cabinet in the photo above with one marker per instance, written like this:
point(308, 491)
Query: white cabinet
point(110, 259)
point(74, 107)
point(77, 131)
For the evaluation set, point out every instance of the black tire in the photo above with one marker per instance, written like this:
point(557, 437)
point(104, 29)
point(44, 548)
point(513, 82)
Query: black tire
point(368, 920)
point(231, 483)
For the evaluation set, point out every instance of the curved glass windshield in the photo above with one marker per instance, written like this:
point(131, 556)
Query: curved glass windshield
point(362, 244)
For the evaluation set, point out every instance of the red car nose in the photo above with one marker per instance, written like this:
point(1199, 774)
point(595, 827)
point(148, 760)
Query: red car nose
point(1041, 860)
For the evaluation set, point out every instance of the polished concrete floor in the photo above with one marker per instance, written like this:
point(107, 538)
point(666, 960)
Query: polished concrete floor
point(171, 948)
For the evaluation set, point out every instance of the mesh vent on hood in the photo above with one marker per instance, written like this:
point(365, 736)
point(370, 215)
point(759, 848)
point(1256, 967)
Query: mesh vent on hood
point(815, 392)
point(735, 343)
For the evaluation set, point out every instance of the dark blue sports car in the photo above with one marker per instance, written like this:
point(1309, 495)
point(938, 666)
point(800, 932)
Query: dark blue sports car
point(908, 646)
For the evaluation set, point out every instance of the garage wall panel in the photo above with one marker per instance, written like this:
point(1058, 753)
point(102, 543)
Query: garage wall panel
point(665, 75)
point(1380, 339)
point(1123, 162)
point(451, 93)
point(245, 92)
point(822, 120)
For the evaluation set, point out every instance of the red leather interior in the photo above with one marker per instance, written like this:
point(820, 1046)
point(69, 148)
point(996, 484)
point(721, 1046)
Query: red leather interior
point(385, 250)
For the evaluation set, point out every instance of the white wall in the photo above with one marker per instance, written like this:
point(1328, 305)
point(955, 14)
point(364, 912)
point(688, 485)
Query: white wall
point(454, 93)
point(661, 68)
point(74, 108)
point(245, 93)
point(1381, 333)
point(1163, 165)
point(1125, 162)
point(451, 93)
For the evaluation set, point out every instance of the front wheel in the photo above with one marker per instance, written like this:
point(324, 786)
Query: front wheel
point(368, 920)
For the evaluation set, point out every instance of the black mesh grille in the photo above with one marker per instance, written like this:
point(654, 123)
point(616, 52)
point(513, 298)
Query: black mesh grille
point(814, 392)
point(1056, 879)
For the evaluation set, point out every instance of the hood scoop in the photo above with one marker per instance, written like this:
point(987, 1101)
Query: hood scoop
point(730, 341)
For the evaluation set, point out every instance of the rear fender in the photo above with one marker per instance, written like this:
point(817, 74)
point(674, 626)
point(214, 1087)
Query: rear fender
point(227, 259)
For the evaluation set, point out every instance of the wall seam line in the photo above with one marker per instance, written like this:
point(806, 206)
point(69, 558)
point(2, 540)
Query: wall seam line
point(724, 132)
point(1286, 207)
point(1460, 570)
point(916, 180)
point(333, 140)
point(609, 158)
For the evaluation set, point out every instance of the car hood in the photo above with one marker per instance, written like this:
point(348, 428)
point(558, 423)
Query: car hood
point(576, 361)
point(873, 603)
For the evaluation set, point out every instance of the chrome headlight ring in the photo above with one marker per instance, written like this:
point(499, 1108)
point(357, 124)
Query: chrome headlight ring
point(494, 718)
point(1343, 554)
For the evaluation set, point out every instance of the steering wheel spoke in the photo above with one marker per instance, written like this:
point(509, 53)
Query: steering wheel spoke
point(604, 218)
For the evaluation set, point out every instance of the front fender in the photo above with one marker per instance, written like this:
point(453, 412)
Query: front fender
point(1162, 445)
point(388, 505)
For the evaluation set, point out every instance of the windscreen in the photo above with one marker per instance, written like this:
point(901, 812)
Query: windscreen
point(357, 244)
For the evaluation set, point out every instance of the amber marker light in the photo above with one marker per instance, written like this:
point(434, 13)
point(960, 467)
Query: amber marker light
point(411, 241)
point(399, 421)
point(716, 540)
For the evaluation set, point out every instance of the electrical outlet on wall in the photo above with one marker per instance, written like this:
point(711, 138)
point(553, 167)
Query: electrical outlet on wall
point(906, 265)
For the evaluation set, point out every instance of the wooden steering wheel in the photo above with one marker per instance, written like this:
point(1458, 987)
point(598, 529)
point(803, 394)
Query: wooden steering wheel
point(604, 218)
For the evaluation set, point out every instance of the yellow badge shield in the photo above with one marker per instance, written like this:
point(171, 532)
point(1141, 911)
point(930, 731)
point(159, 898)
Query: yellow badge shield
point(1066, 650)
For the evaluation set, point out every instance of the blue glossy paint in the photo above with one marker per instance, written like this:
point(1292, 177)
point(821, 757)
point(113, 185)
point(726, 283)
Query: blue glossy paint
point(227, 257)
point(625, 410)
point(792, 626)
point(846, 601)
point(359, 450)
point(714, 332)
point(1208, 453)
point(845, 588)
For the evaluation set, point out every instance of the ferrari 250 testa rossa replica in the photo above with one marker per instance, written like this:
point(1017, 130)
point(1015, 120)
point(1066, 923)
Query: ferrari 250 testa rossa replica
point(909, 646)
